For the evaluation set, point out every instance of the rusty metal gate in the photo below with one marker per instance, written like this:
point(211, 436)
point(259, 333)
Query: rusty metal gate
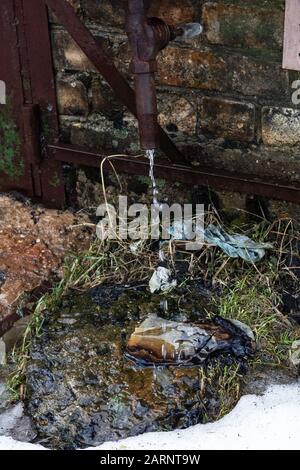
point(31, 152)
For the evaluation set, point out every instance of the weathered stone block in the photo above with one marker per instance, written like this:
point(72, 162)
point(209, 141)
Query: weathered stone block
point(112, 13)
point(275, 163)
point(230, 119)
point(231, 201)
point(224, 136)
point(284, 210)
point(258, 76)
point(105, 12)
point(237, 25)
point(177, 114)
point(102, 134)
point(280, 126)
point(104, 101)
point(192, 69)
point(67, 55)
point(72, 97)
point(174, 11)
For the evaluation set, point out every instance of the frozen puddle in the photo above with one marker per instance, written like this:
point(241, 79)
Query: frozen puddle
point(270, 421)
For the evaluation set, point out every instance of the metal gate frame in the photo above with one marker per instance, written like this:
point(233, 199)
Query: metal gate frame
point(26, 66)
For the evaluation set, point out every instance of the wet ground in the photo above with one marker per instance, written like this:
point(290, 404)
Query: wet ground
point(82, 390)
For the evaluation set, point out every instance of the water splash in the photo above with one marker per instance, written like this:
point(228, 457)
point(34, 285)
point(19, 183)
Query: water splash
point(151, 157)
point(164, 305)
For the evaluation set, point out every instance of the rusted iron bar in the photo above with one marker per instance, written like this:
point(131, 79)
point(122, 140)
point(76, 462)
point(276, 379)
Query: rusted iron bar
point(26, 67)
point(201, 176)
point(43, 93)
point(66, 15)
point(146, 38)
point(11, 74)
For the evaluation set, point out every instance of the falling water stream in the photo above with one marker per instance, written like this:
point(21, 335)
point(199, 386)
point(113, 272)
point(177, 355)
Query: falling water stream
point(156, 210)
point(150, 154)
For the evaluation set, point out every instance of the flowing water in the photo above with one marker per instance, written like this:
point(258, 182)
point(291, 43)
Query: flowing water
point(156, 205)
point(150, 154)
point(81, 388)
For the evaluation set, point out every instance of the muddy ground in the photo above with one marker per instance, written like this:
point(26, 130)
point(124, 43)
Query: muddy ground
point(81, 387)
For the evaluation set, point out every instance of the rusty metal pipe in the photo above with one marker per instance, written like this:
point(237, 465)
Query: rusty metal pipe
point(147, 37)
point(147, 110)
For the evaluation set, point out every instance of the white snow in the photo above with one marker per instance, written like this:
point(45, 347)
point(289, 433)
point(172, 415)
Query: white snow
point(9, 418)
point(8, 443)
point(270, 421)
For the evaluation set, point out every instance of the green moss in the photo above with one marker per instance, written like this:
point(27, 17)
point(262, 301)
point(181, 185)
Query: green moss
point(26, 84)
point(264, 55)
point(233, 31)
point(55, 181)
point(11, 162)
point(45, 127)
point(134, 147)
point(160, 183)
point(264, 31)
point(261, 4)
point(120, 133)
point(143, 179)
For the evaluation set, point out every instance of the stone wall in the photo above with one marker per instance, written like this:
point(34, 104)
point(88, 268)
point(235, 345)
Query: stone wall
point(224, 95)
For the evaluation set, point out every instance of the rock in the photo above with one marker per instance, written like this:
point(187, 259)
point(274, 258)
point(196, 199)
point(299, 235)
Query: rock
point(15, 334)
point(295, 353)
point(14, 423)
point(33, 245)
point(159, 341)
point(2, 278)
point(2, 353)
point(4, 395)
point(245, 328)
point(9, 418)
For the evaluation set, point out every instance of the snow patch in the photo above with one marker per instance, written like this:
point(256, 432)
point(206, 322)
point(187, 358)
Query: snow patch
point(270, 421)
